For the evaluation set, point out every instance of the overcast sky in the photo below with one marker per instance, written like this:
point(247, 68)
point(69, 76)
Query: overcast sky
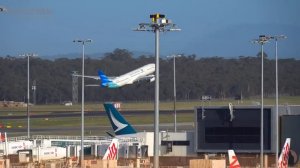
point(209, 27)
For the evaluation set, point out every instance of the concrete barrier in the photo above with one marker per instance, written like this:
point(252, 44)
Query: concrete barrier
point(100, 163)
point(206, 163)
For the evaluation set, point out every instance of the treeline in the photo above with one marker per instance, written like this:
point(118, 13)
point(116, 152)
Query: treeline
point(214, 76)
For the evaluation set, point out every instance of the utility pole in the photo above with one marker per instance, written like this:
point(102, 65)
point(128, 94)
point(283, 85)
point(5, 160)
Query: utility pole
point(158, 24)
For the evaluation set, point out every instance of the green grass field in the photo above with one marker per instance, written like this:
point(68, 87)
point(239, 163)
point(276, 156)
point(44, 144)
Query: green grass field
point(67, 122)
point(89, 121)
point(164, 105)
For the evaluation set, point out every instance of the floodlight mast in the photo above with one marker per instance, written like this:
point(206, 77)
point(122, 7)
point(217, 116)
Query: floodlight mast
point(158, 23)
point(276, 38)
point(28, 95)
point(262, 40)
point(174, 87)
point(82, 100)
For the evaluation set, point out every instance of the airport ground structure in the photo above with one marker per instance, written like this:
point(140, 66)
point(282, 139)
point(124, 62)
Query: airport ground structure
point(216, 130)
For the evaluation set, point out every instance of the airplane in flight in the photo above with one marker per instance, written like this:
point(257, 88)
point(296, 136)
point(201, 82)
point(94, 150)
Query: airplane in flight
point(2, 9)
point(282, 161)
point(118, 122)
point(140, 74)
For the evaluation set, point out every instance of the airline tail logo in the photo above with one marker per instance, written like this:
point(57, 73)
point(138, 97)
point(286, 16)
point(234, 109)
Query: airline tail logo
point(233, 160)
point(112, 151)
point(104, 78)
point(106, 82)
point(284, 156)
point(119, 124)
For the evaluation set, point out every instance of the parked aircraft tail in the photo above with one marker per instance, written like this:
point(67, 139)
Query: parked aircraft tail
point(118, 122)
point(2, 137)
point(282, 161)
point(112, 150)
point(284, 156)
point(233, 160)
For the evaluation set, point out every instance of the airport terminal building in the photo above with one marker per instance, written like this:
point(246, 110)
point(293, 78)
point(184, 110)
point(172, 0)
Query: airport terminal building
point(219, 128)
point(216, 129)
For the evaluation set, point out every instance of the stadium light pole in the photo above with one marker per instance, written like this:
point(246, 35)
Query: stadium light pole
point(174, 84)
point(262, 40)
point(276, 38)
point(28, 95)
point(82, 100)
point(158, 24)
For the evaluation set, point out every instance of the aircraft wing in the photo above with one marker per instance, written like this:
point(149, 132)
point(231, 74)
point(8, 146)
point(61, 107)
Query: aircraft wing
point(91, 85)
point(151, 78)
point(87, 76)
point(95, 77)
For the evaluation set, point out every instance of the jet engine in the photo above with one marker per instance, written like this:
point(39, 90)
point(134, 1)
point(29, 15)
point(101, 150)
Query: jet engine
point(152, 79)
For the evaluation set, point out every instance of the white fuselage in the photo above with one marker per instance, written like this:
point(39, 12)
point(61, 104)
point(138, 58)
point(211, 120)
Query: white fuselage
point(134, 75)
point(14, 146)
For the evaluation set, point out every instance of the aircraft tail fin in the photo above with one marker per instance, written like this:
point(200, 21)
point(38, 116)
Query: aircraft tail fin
point(233, 160)
point(118, 122)
point(284, 156)
point(104, 79)
point(2, 136)
point(112, 150)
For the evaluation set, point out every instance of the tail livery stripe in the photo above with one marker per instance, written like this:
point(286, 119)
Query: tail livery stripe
point(284, 156)
point(112, 155)
point(233, 160)
point(112, 150)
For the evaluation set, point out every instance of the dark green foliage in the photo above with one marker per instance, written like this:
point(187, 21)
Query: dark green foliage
point(214, 76)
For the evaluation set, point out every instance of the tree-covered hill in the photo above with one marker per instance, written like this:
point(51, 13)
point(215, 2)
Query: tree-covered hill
point(214, 76)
